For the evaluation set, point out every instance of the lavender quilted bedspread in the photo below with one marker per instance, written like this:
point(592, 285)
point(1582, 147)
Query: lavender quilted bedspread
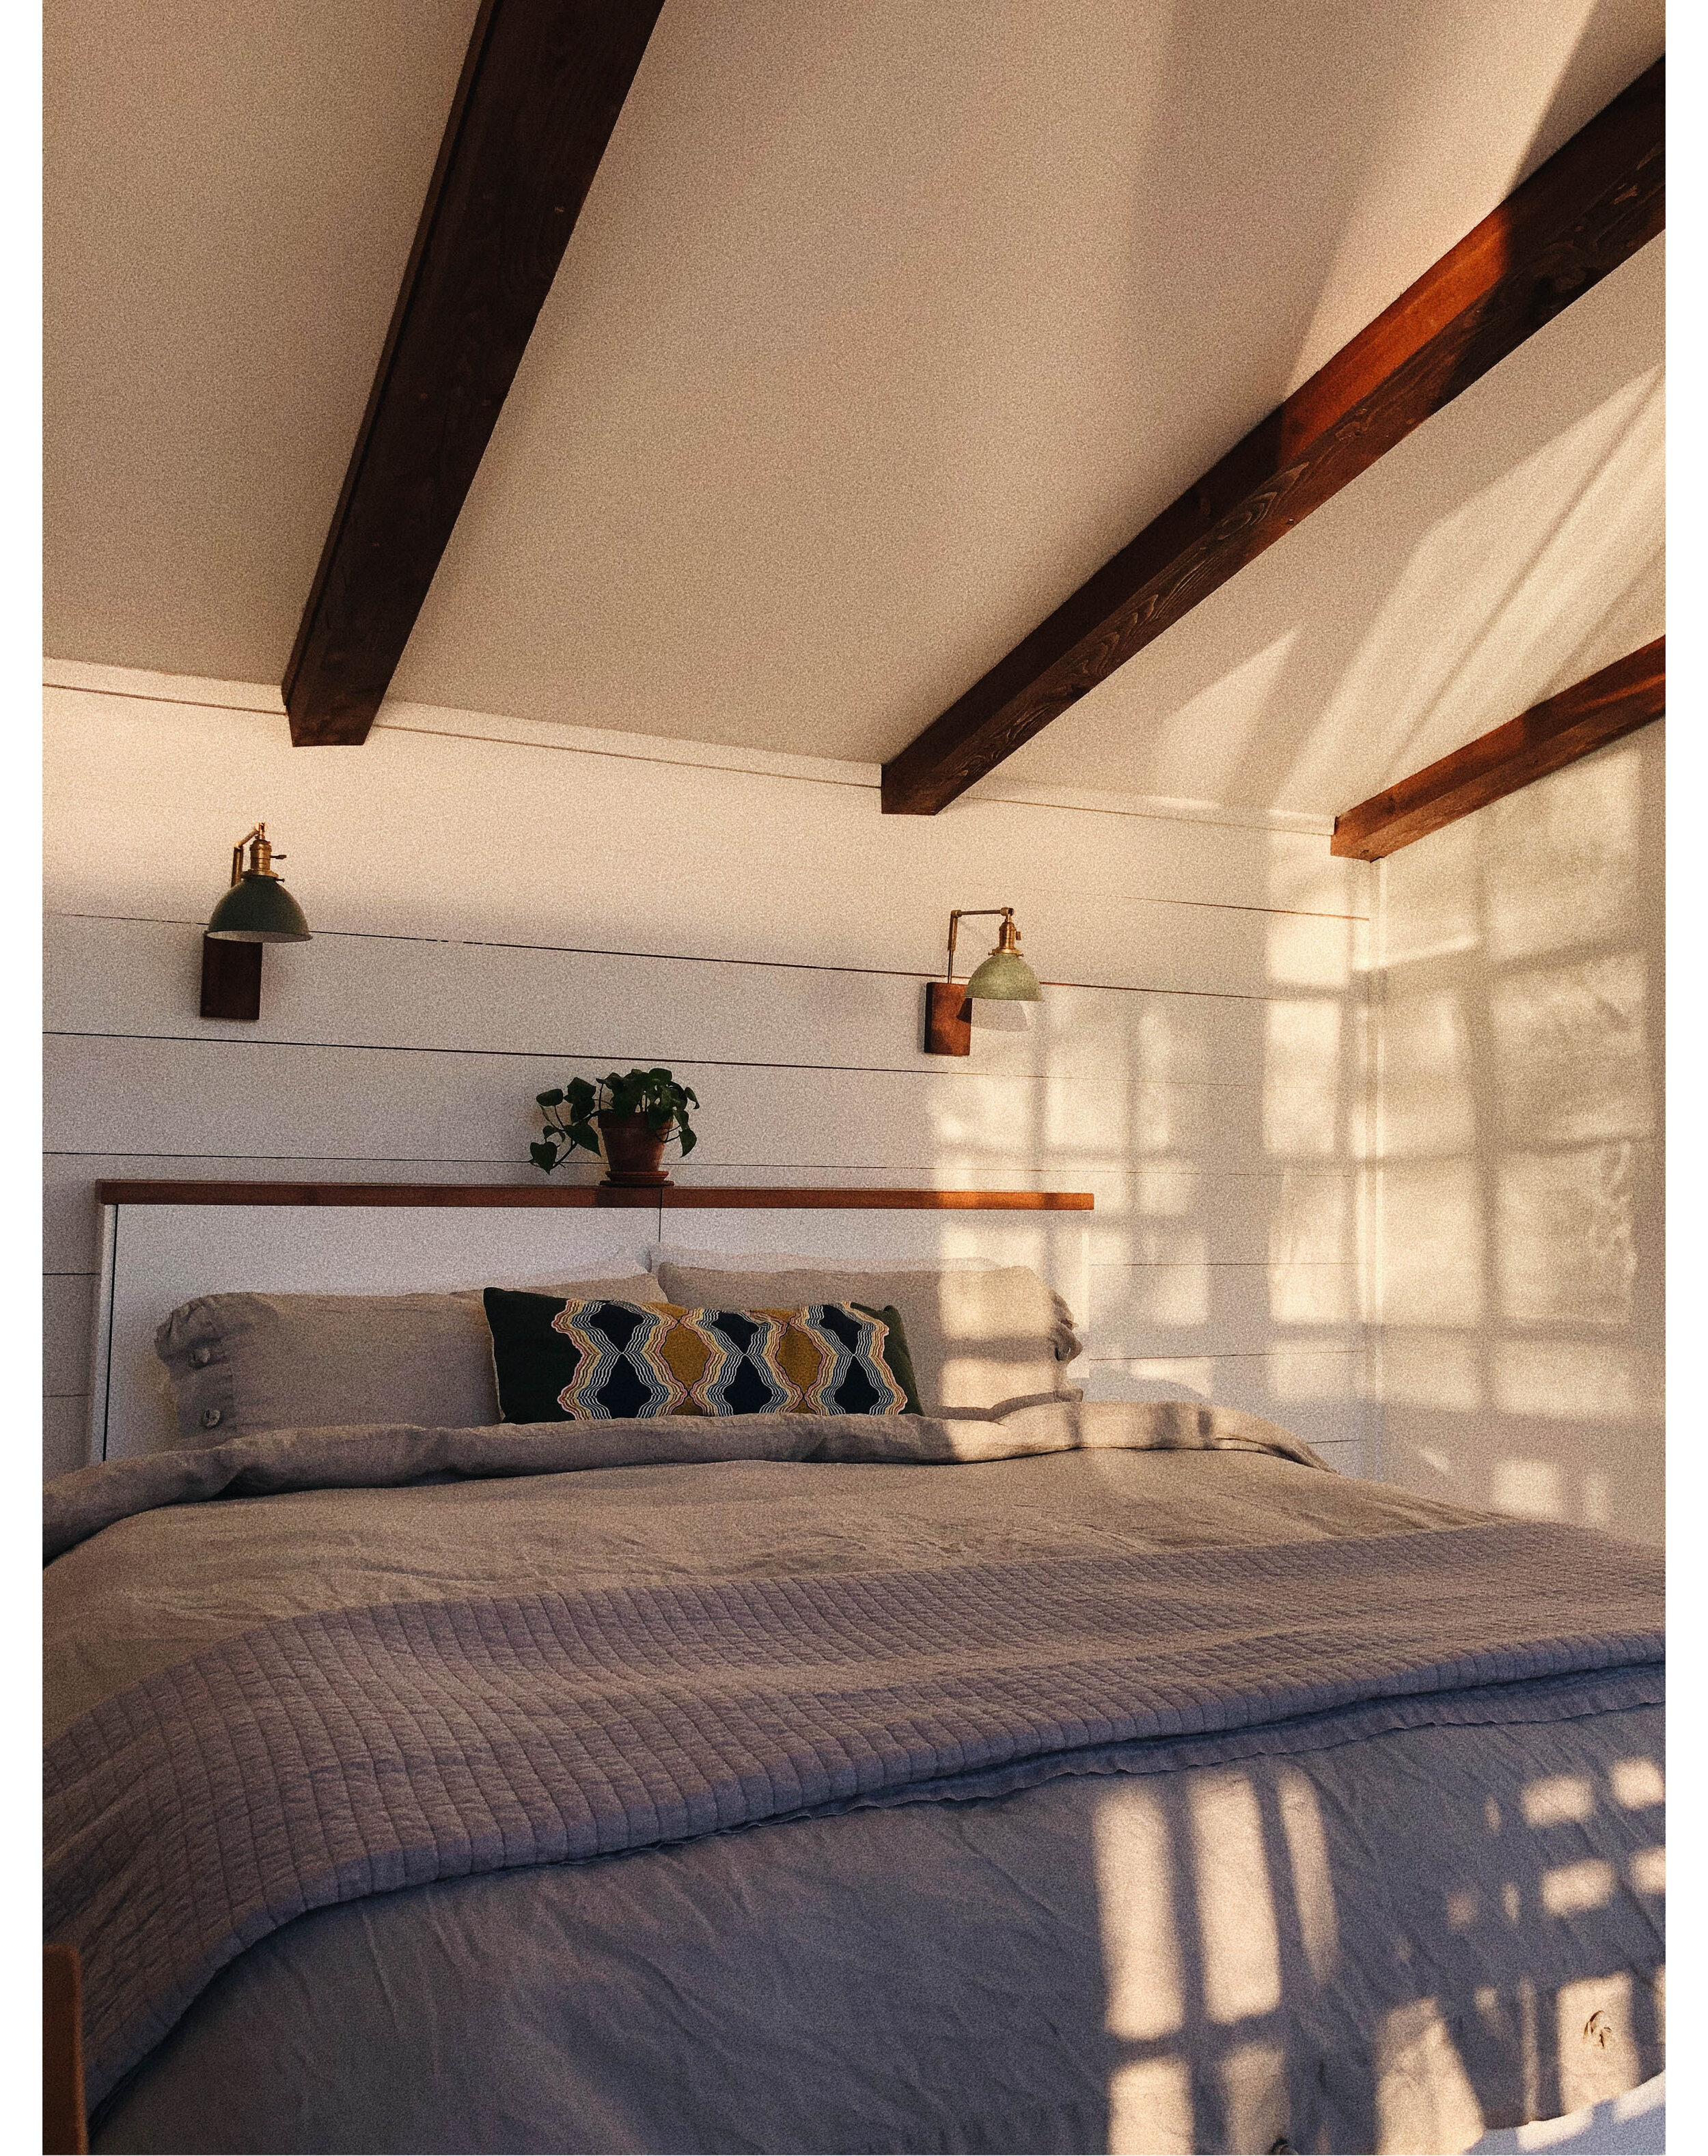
point(333, 1753)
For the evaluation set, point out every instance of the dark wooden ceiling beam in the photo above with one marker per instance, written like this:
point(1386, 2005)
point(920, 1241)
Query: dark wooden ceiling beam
point(541, 87)
point(1600, 709)
point(1579, 216)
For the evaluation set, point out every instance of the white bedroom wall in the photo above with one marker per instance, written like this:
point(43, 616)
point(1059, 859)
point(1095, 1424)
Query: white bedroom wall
point(497, 903)
point(1520, 1256)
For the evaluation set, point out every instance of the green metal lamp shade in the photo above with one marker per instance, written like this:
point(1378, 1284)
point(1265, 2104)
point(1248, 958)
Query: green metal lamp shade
point(1005, 977)
point(258, 909)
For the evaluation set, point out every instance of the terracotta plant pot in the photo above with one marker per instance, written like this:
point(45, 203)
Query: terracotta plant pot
point(634, 1151)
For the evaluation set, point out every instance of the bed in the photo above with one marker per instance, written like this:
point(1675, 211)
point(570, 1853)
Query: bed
point(1063, 1775)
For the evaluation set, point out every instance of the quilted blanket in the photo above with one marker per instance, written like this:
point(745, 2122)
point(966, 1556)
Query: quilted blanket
point(315, 1758)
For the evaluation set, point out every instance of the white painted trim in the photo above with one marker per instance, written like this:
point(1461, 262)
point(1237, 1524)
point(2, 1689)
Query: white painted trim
point(1160, 807)
point(162, 688)
point(100, 1357)
point(397, 716)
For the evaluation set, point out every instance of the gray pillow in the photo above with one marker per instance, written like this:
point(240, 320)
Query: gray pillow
point(978, 1339)
point(242, 1363)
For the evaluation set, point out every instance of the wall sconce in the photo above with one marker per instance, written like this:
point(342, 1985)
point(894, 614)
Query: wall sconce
point(1004, 976)
point(257, 910)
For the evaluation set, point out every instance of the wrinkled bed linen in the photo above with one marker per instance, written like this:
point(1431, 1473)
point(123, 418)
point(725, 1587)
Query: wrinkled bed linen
point(1317, 1946)
point(1085, 1561)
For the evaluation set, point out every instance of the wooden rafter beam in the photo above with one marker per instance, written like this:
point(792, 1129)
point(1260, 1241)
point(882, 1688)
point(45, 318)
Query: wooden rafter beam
point(1579, 216)
point(1629, 694)
point(541, 87)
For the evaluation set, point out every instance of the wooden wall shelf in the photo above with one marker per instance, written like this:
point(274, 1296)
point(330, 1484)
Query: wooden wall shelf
point(673, 1198)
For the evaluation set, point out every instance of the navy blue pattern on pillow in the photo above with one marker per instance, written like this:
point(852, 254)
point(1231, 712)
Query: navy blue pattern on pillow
point(743, 1374)
point(854, 1378)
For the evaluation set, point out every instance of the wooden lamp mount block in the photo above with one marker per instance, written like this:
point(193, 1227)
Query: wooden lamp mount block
point(948, 1019)
point(231, 978)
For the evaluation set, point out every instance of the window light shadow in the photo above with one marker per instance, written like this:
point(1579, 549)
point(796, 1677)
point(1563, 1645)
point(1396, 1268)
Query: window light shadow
point(1504, 1968)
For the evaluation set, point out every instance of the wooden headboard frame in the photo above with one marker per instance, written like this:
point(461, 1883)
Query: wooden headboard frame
point(164, 1242)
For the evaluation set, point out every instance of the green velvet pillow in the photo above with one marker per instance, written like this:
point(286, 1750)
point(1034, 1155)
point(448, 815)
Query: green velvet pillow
point(897, 1353)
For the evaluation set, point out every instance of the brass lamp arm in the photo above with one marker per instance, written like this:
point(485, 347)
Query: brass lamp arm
point(972, 913)
point(261, 858)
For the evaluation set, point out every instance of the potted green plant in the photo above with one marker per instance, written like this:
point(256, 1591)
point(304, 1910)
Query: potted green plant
point(636, 1113)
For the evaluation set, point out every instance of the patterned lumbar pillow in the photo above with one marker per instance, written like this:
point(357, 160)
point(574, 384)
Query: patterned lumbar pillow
point(574, 1360)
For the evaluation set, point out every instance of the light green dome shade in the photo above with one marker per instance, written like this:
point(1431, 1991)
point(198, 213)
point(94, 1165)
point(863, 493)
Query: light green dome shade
point(1005, 977)
point(257, 908)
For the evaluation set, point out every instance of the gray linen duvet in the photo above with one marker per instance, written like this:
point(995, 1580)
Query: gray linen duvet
point(1150, 1787)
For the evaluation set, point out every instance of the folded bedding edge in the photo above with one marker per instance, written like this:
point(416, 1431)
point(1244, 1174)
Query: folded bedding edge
point(81, 1503)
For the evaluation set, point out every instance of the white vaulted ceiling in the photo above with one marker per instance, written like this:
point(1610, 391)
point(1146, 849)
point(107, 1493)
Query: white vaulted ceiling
point(883, 326)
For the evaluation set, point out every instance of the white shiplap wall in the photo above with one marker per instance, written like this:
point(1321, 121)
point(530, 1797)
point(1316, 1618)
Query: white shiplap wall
point(497, 903)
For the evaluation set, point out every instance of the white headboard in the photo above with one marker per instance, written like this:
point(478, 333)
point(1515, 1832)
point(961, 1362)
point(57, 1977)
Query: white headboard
point(165, 1242)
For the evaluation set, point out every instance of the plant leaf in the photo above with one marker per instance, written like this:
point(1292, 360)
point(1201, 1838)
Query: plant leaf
point(545, 1155)
point(552, 1099)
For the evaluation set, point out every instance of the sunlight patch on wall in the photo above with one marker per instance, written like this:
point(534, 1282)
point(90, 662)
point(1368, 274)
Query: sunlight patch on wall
point(1431, 1369)
point(1076, 1115)
point(964, 1111)
point(1575, 1380)
point(1303, 952)
point(1146, 1245)
point(1433, 1262)
point(1313, 1370)
point(1165, 1191)
point(1025, 1243)
point(1429, 897)
point(1565, 1248)
point(1311, 1220)
point(1312, 1294)
point(1571, 1060)
point(1163, 1378)
point(1167, 1295)
point(1531, 1489)
point(1428, 1105)
point(1309, 879)
point(1301, 1095)
point(1561, 859)
point(1172, 1042)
